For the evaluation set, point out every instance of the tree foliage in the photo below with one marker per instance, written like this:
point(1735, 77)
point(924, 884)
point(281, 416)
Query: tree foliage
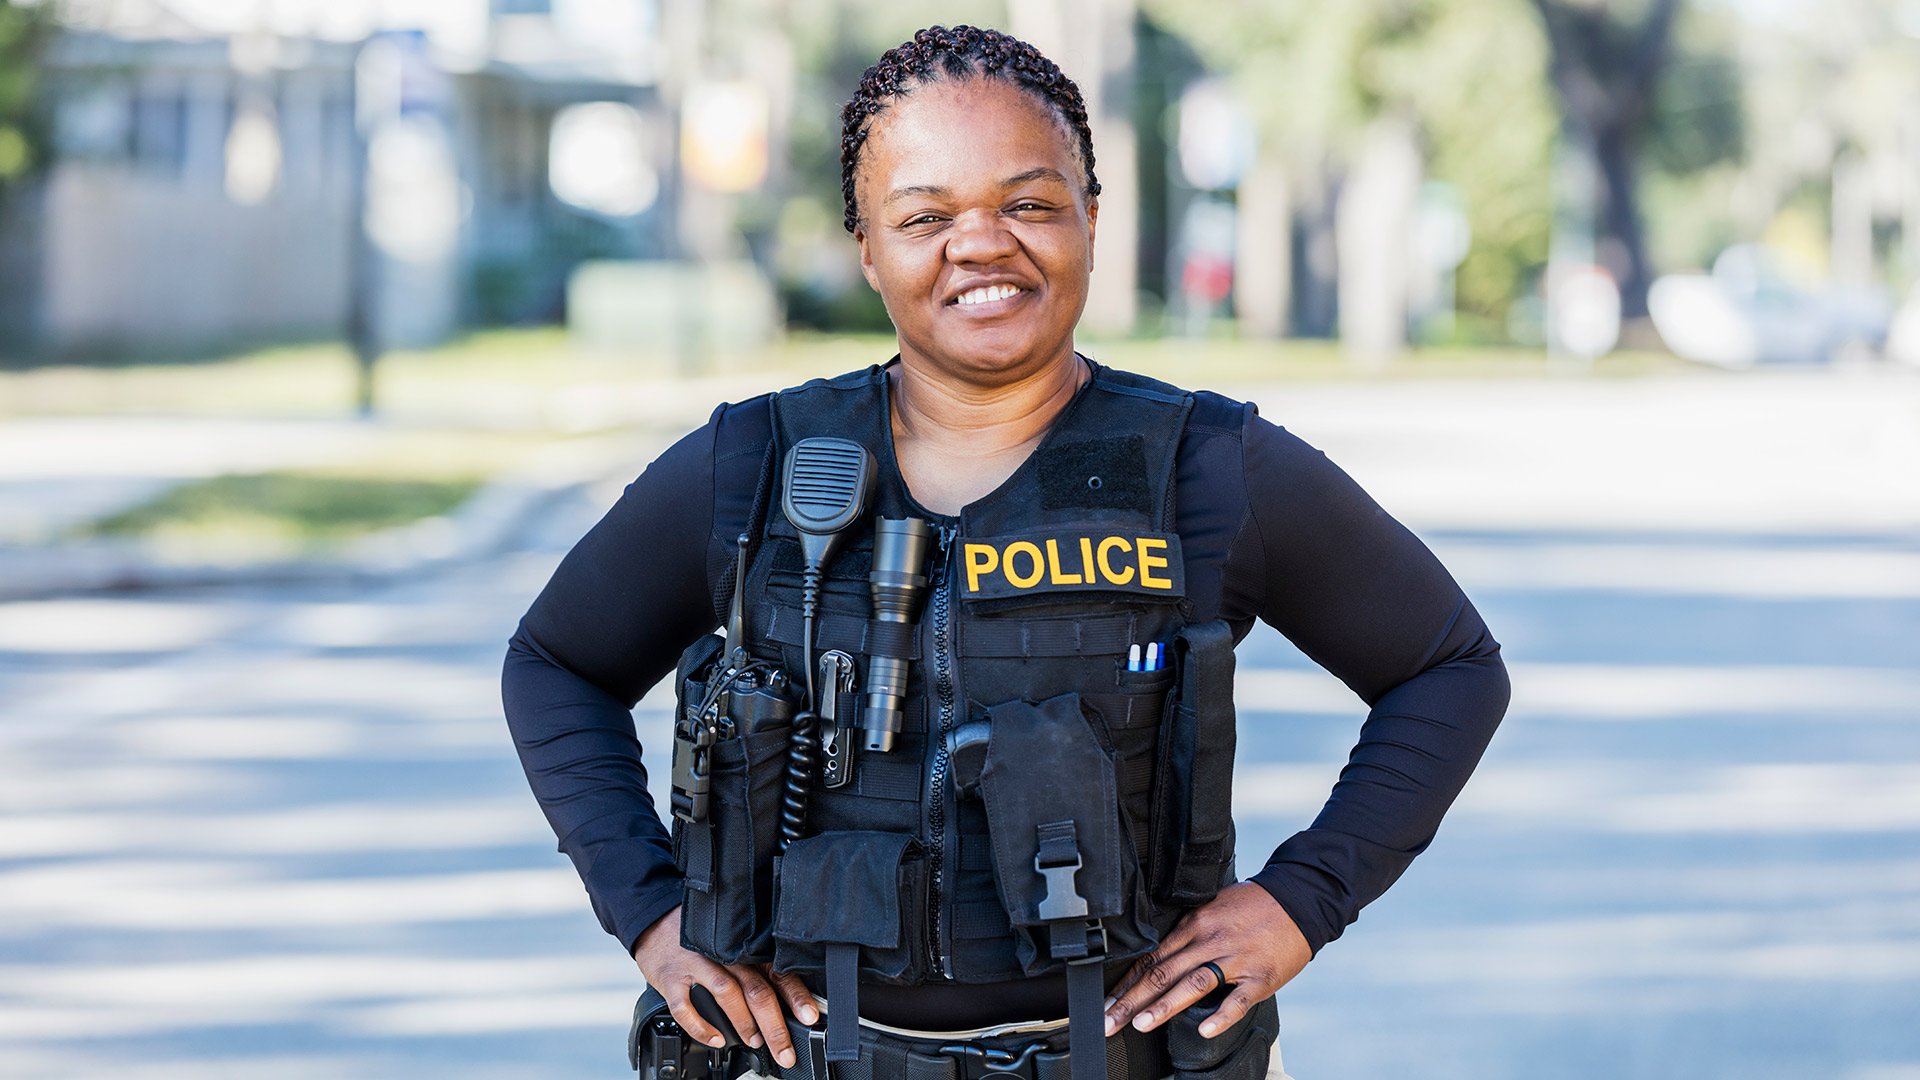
point(24, 33)
point(1471, 74)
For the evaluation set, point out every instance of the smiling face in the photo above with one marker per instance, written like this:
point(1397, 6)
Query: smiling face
point(976, 229)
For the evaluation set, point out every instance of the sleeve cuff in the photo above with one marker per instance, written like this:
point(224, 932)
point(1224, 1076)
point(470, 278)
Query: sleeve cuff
point(1282, 883)
point(653, 906)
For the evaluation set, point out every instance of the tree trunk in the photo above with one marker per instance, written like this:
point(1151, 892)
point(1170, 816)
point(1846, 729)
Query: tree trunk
point(1606, 74)
point(1374, 221)
point(1622, 248)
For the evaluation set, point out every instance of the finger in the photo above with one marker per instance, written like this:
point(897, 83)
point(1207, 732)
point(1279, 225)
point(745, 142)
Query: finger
point(765, 1006)
point(793, 990)
point(1191, 983)
point(1229, 1012)
point(733, 1001)
point(1177, 939)
point(1159, 972)
point(684, 1014)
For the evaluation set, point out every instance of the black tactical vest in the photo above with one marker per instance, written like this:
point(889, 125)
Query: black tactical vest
point(1099, 812)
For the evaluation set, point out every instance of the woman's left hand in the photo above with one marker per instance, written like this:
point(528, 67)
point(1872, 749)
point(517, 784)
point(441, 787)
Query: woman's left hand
point(1244, 931)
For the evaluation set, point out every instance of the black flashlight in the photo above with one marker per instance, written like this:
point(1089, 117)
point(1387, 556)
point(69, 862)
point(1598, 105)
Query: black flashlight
point(897, 584)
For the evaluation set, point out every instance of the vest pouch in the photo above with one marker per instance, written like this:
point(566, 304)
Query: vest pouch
point(728, 859)
point(864, 889)
point(1193, 804)
point(1049, 783)
point(1242, 1052)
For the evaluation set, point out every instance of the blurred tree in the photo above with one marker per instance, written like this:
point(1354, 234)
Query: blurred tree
point(1470, 76)
point(1833, 93)
point(25, 30)
point(1608, 58)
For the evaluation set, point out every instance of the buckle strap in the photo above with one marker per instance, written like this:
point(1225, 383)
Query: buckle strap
point(1086, 1020)
point(843, 998)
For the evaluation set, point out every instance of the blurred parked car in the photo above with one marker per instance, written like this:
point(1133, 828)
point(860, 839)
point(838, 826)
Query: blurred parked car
point(1748, 311)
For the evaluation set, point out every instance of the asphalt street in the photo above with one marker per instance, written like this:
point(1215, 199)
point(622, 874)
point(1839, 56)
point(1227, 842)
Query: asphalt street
point(280, 832)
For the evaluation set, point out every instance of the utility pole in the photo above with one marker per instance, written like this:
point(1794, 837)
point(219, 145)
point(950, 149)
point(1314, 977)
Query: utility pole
point(363, 260)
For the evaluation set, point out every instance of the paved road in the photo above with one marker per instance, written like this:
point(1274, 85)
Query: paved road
point(280, 833)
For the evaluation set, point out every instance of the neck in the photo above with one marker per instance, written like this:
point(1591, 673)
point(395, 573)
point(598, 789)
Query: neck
point(981, 419)
point(957, 441)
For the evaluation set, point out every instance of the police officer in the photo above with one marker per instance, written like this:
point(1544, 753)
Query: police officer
point(1076, 514)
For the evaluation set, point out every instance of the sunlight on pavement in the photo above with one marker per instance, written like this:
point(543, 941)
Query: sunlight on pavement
point(346, 827)
point(108, 626)
point(515, 1012)
point(1689, 570)
point(134, 894)
point(1624, 691)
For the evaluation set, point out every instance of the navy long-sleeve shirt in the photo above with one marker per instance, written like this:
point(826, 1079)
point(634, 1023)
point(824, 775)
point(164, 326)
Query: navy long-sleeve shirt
point(1270, 529)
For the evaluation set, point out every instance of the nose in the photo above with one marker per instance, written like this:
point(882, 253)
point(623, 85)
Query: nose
point(980, 236)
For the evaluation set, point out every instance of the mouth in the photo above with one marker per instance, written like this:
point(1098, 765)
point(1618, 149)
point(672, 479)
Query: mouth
point(986, 299)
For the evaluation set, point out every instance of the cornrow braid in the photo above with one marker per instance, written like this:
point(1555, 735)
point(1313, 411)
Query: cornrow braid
point(962, 52)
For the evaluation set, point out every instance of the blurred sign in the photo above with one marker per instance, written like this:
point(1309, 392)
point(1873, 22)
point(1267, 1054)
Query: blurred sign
point(596, 159)
point(395, 75)
point(413, 191)
point(723, 135)
point(1216, 137)
point(253, 157)
point(1207, 232)
point(1583, 311)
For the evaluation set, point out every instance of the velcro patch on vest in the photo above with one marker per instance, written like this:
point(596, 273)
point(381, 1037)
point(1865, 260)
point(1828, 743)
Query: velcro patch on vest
point(1072, 560)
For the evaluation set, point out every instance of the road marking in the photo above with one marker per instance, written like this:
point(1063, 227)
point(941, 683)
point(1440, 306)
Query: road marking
point(1626, 691)
point(1747, 571)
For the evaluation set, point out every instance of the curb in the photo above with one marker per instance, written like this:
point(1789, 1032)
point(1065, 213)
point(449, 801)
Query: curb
point(486, 525)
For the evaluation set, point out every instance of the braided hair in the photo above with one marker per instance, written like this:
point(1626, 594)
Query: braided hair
point(962, 52)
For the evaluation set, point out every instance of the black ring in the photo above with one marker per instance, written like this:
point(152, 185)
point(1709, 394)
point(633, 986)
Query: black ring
point(1217, 973)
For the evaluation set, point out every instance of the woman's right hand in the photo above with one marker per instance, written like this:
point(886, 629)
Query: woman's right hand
point(750, 995)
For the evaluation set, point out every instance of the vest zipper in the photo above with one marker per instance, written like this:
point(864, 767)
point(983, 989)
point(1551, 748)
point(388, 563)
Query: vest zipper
point(937, 776)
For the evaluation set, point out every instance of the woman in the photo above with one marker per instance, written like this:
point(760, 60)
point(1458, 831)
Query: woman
point(970, 190)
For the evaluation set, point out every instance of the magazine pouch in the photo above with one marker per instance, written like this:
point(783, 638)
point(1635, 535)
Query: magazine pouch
point(1062, 857)
point(1193, 800)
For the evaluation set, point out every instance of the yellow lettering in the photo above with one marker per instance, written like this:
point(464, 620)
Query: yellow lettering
point(1106, 567)
point(1148, 562)
point(981, 559)
point(1086, 559)
point(1054, 576)
point(1026, 581)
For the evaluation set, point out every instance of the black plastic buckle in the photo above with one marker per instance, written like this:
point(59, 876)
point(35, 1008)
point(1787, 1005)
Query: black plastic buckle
point(817, 1054)
point(691, 776)
point(1062, 899)
point(986, 1063)
point(1080, 941)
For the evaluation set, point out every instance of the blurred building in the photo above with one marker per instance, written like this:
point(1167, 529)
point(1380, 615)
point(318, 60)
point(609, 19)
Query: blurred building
point(209, 188)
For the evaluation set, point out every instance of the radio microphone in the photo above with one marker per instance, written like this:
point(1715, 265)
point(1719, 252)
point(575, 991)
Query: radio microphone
point(826, 488)
point(898, 585)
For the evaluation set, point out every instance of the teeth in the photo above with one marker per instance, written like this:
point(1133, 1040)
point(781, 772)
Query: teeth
point(987, 293)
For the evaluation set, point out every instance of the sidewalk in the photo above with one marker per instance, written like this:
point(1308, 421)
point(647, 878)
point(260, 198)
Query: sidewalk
point(59, 474)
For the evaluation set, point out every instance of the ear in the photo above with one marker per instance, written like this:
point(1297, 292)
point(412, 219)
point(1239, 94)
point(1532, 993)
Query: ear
point(866, 257)
point(1093, 219)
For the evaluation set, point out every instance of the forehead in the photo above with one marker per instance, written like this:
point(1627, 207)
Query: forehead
point(958, 127)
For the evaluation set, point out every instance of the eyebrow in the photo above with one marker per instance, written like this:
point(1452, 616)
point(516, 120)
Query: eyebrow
point(938, 192)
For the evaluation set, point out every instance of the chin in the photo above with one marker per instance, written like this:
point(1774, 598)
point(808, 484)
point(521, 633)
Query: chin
point(991, 352)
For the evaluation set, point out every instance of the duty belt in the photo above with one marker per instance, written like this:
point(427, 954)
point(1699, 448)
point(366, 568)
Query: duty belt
point(1131, 1055)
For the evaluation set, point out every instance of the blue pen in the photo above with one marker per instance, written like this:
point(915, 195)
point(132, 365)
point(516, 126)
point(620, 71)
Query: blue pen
point(1153, 657)
point(1133, 658)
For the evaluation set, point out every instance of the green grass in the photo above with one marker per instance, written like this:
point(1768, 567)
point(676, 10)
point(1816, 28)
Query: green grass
point(282, 507)
point(537, 377)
